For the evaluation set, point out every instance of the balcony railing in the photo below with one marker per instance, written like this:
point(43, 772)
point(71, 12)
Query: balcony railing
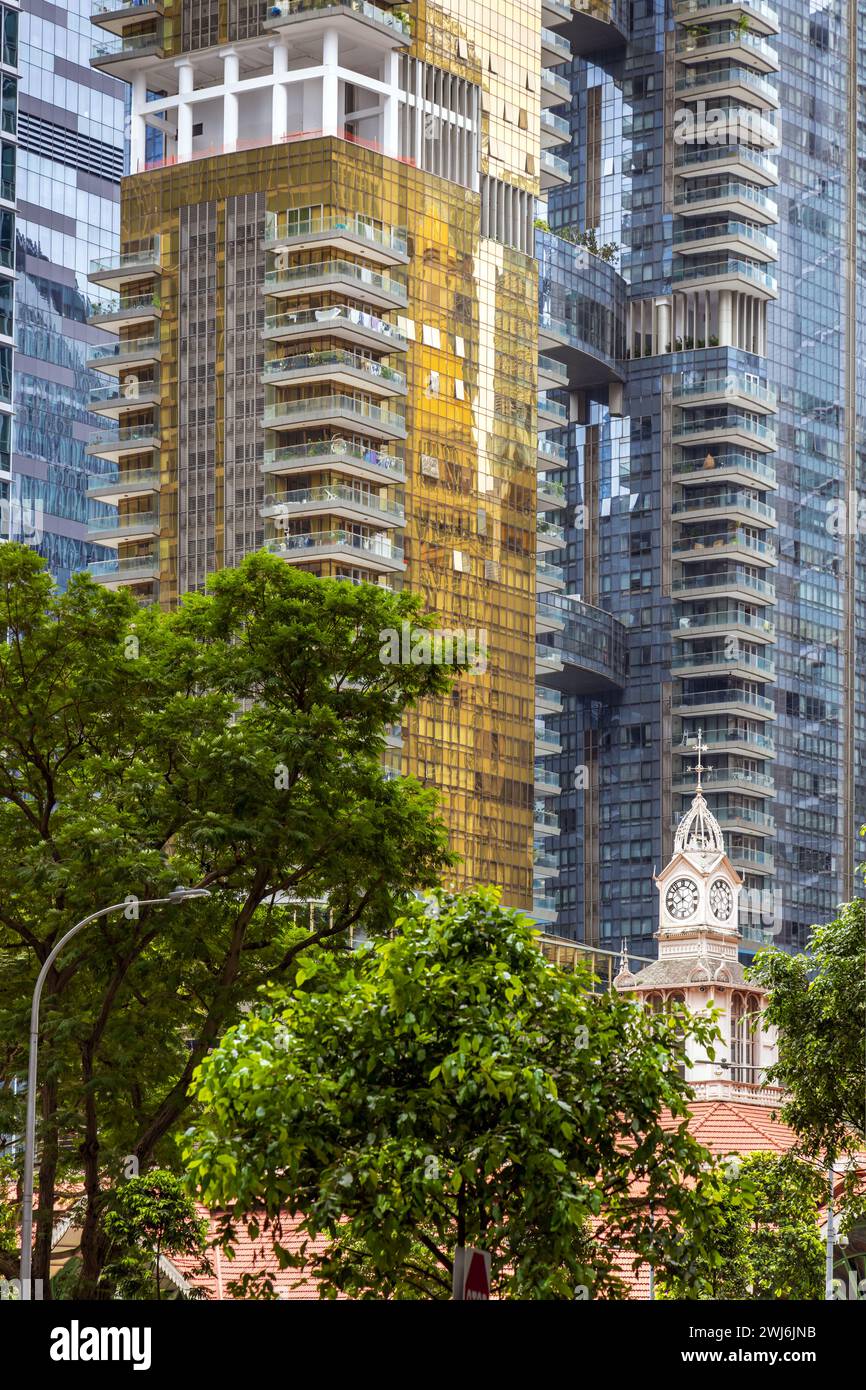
point(691, 699)
point(716, 501)
point(725, 618)
point(699, 546)
point(690, 269)
point(742, 231)
point(142, 259)
point(732, 384)
point(129, 46)
point(281, 227)
point(131, 521)
point(126, 347)
point(137, 436)
point(335, 357)
point(725, 424)
point(299, 498)
point(732, 190)
point(377, 545)
point(332, 316)
point(544, 695)
point(123, 478)
point(321, 453)
point(725, 579)
point(697, 660)
point(727, 460)
point(301, 276)
point(552, 451)
point(389, 19)
point(690, 41)
point(126, 567)
point(684, 9)
point(314, 407)
point(123, 303)
point(728, 75)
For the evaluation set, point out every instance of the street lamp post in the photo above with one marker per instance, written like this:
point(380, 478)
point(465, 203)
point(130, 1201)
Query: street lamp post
point(178, 895)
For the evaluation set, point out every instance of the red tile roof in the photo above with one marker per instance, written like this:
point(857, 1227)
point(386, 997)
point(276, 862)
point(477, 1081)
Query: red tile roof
point(726, 1127)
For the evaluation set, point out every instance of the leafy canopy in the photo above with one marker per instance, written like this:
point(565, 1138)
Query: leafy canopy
point(453, 1088)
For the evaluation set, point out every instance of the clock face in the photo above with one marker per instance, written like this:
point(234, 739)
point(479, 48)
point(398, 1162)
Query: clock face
point(721, 899)
point(682, 898)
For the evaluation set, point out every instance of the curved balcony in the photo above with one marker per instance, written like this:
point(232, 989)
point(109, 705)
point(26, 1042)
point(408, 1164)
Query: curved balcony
point(733, 388)
point(338, 277)
point(691, 702)
point(719, 506)
point(719, 662)
point(548, 701)
point(549, 536)
point(117, 15)
point(343, 366)
point(592, 648)
point(723, 79)
point(555, 50)
point(734, 427)
point(597, 25)
point(762, 18)
point(381, 553)
point(333, 499)
point(307, 229)
point(118, 530)
point(552, 375)
point(354, 19)
point(733, 736)
point(544, 822)
point(723, 621)
point(118, 444)
point(733, 544)
point(126, 310)
point(547, 783)
point(550, 495)
point(725, 466)
point(554, 171)
point(582, 311)
point(549, 578)
point(732, 42)
point(337, 455)
point(132, 569)
point(723, 779)
point(551, 454)
point(112, 271)
point(730, 236)
point(340, 411)
point(126, 54)
point(116, 400)
point(342, 321)
point(728, 196)
point(116, 484)
point(753, 860)
point(738, 161)
point(113, 358)
point(556, 13)
point(544, 864)
point(733, 583)
point(548, 661)
point(554, 89)
point(552, 412)
point(555, 130)
point(547, 740)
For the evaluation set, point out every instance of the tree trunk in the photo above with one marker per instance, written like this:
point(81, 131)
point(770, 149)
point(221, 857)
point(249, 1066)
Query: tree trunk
point(44, 1221)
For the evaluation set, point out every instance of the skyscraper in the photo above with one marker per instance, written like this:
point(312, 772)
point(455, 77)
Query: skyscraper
point(9, 47)
point(325, 308)
point(70, 159)
point(716, 480)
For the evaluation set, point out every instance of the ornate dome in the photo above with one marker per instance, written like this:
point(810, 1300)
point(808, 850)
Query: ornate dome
point(699, 830)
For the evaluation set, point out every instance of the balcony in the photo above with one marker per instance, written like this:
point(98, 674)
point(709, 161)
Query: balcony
point(546, 782)
point(334, 499)
point(377, 552)
point(139, 264)
point(132, 569)
point(307, 229)
point(116, 484)
point(124, 55)
point(555, 50)
point(754, 860)
point(722, 779)
point(726, 273)
point(736, 238)
point(555, 130)
point(726, 466)
point(549, 578)
point(545, 822)
point(543, 907)
point(551, 412)
point(544, 864)
point(732, 427)
point(736, 737)
point(718, 506)
point(551, 454)
point(118, 444)
point(338, 277)
point(727, 544)
point(738, 161)
point(733, 388)
point(117, 530)
point(115, 15)
point(556, 13)
point(597, 25)
point(554, 171)
point(342, 366)
point(723, 196)
point(733, 43)
point(593, 649)
point(340, 411)
point(342, 321)
point(554, 89)
point(355, 20)
point(723, 620)
point(125, 310)
point(552, 375)
point(735, 583)
point(125, 396)
point(113, 358)
point(550, 496)
point(547, 741)
point(762, 18)
point(336, 455)
point(547, 660)
point(547, 700)
point(725, 79)
point(732, 700)
point(721, 662)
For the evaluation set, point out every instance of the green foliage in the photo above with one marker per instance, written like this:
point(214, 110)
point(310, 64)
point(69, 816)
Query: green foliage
point(233, 744)
point(451, 1087)
point(770, 1242)
point(818, 1003)
point(149, 1216)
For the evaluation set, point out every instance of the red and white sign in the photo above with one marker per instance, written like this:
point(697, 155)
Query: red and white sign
point(471, 1274)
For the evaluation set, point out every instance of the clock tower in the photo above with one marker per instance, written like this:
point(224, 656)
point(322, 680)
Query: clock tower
point(697, 961)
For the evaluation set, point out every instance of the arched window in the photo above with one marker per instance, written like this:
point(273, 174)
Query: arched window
point(744, 1039)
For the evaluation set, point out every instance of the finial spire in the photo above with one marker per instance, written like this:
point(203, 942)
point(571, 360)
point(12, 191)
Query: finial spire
point(699, 767)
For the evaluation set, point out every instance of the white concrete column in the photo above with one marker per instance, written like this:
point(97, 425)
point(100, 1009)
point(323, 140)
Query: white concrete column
point(231, 75)
point(280, 107)
point(137, 124)
point(726, 325)
point(664, 341)
point(391, 131)
point(185, 84)
point(330, 83)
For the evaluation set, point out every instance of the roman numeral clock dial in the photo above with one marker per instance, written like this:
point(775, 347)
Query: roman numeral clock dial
point(681, 899)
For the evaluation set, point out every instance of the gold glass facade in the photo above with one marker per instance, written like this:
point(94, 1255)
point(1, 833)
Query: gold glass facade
point(342, 367)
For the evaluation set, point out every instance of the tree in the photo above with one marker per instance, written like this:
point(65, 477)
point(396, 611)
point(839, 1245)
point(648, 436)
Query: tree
point(817, 1001)
point(769, 1218)
point(454, 1088)
point(149, 1216)
point(234, 744)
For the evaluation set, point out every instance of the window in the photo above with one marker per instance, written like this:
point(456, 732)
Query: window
point(9, 52)
point(9, 106)
point(7, 173)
